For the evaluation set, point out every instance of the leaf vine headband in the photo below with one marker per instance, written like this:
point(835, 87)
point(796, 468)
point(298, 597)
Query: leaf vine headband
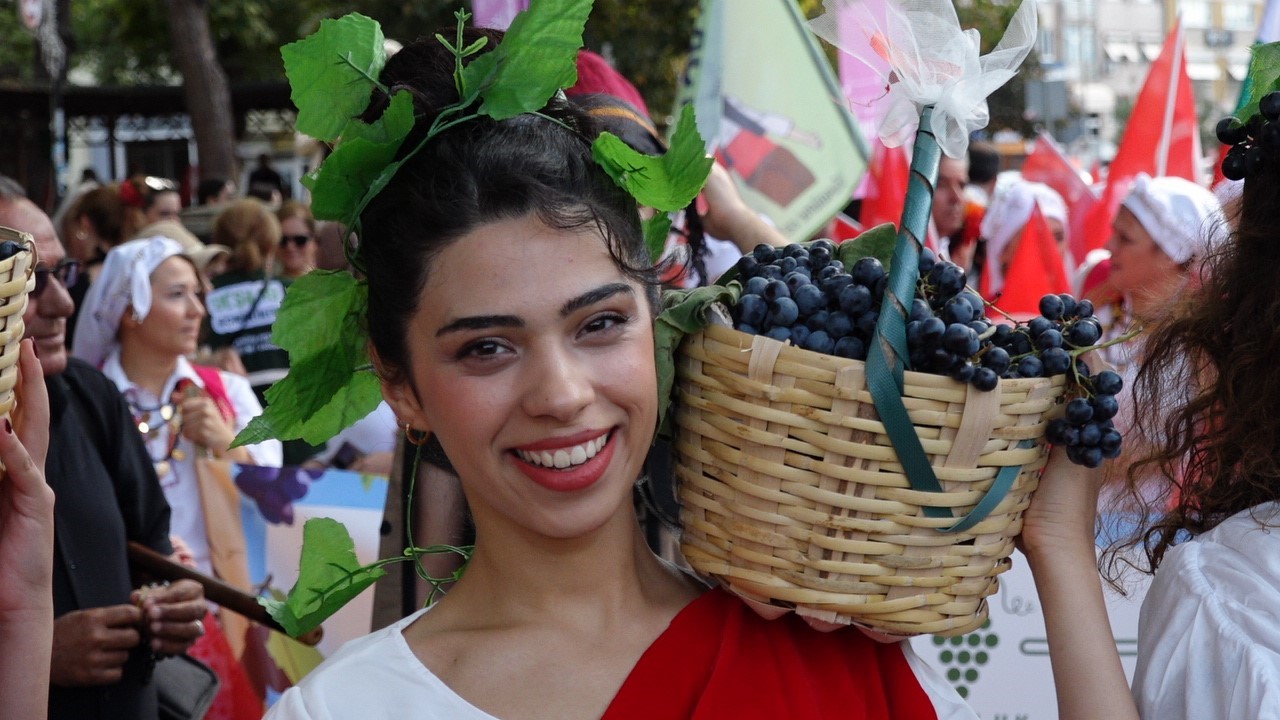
point(1254, 131)
point(333, 74)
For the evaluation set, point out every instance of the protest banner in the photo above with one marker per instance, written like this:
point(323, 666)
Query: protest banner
point(776, 120)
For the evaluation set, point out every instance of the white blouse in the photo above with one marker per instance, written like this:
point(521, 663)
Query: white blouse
point(179, 482)
point(1209, 634)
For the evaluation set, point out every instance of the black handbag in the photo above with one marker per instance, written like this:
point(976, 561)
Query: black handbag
point(185, 687)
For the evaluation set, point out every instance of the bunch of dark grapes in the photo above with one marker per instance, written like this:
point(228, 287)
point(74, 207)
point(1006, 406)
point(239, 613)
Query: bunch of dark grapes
point(1255, 142)
point(1086, 429)
point(805, 296)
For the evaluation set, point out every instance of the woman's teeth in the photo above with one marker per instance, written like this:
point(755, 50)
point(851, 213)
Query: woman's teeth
point(564, 457)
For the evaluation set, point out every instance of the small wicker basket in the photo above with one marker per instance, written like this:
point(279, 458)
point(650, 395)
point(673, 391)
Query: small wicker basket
point(17, 279)
point(792, 494)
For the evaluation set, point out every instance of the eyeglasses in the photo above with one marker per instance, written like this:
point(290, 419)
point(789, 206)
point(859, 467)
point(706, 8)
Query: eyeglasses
point(297, 240)
point(67, 272)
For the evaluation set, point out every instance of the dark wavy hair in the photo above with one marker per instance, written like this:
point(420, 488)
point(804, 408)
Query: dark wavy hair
point(478, 172)
point(1208, 392)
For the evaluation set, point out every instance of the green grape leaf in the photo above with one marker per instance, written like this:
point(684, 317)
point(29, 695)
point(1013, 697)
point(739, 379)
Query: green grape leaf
point(538, 55)
point(330, 384)
point(329, 576)
point(656, 230)
point(339, 185)
point(332, 72)
point(877, 242)
point(318, 398)
point(1263, 77)
point(683, 312)
point(666, 182)
point(317, 310)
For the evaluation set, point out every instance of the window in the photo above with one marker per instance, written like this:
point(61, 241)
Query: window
point(1046, 47)
point(1238, 16)
point(1195, 13)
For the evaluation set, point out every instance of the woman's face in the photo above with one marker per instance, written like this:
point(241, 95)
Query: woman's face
point(167, 206)
point(297, 253)
point(173, 324)
point(1138, 265)
point(532, 358)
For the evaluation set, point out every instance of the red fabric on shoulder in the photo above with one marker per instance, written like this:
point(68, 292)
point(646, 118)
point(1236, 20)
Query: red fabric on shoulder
point(217, 390)
point(718, 659)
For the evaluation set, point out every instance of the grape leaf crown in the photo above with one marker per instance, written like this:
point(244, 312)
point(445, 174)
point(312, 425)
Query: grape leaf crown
point(333, 74)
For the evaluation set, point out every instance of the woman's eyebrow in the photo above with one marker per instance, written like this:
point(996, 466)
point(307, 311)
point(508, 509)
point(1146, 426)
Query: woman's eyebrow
point(480, 322)
point(586, 299)
point(591, 297)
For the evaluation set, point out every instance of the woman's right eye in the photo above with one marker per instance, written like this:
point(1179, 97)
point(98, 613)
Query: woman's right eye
point(482, 350)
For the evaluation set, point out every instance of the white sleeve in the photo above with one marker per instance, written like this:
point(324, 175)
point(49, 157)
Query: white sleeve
point(292, 706)
point(1208, 640)
point(268, 453)
point(947, 703)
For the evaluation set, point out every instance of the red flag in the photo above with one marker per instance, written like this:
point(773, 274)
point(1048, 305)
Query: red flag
point(1046, 164)
point(842, 227)
point(886, 186)
point(1035, 270)
point(1162, 136)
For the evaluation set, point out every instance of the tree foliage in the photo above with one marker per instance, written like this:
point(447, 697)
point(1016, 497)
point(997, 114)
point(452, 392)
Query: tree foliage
point(1008, 104)
point(19, 58)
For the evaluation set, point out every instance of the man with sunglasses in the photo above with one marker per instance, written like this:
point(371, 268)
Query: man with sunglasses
point(106, 634)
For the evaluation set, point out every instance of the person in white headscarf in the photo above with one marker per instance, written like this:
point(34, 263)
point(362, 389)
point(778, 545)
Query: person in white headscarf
point(1163, 226)
point(1002, 226)
point(139, 322)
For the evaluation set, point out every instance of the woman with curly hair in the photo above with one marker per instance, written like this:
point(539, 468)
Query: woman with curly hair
point(1206, 399)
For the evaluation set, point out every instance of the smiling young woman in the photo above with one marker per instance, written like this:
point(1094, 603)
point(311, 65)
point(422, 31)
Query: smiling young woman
point(510, 313)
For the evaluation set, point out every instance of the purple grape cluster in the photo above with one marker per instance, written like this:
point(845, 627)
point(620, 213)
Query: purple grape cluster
point(1086, 429)
point(804, 295)
point(1255, 142)
point(275, 489)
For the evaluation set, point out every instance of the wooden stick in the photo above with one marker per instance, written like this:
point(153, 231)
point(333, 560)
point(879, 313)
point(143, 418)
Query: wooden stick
point(230, 597)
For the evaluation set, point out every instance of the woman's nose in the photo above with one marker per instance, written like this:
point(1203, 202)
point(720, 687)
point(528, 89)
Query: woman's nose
point(558, 385)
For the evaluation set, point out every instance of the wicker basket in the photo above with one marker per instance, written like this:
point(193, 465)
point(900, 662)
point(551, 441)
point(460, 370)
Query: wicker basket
point(17, 278)
point(792, 494)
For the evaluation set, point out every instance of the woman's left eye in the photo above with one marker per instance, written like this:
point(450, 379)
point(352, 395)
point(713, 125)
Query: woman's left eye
point(605, 322)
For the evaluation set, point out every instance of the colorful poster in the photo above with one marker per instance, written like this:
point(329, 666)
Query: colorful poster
point(274, 505)
point(777, 120)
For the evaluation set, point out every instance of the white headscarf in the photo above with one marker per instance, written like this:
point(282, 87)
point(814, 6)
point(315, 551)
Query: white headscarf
point(125, 281)
point(1181, 217)
point(1008, 213)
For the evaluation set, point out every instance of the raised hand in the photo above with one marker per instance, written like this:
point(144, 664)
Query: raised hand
point(26, 546)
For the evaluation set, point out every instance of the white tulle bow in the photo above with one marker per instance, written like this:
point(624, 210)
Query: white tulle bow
point(931, 61)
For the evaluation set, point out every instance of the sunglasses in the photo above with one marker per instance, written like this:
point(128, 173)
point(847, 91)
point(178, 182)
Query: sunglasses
point(297, 240)
point(67, 272)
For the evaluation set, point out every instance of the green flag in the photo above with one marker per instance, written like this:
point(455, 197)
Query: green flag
point(773, 113)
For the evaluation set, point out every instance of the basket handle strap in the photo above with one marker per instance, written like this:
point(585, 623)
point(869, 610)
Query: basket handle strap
point(993, 497)
point(886, 359)
point(886, 356)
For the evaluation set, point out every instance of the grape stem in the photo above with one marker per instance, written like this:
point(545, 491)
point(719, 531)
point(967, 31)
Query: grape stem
point(1113, 341)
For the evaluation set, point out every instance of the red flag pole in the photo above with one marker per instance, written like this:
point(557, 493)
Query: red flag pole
point(1171, 100)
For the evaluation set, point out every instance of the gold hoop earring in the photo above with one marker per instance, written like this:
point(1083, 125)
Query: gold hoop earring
point(415, 436)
